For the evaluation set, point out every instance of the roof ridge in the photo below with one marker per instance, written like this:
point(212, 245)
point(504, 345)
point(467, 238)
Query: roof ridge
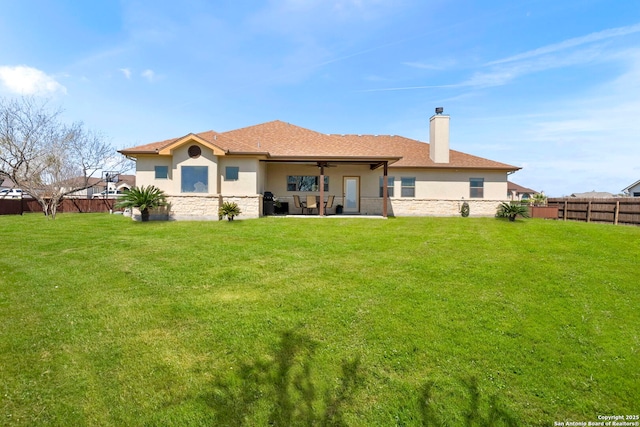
point(253, 126)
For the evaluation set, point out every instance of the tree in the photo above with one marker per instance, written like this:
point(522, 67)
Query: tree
point(143, 198)
point(538, 199)
point(47, 158)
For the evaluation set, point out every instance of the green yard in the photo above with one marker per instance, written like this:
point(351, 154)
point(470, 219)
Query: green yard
point(286, 321)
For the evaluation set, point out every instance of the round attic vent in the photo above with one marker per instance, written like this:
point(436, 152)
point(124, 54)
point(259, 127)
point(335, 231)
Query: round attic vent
point(194, 151)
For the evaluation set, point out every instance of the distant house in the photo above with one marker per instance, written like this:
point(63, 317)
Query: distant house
point(518, 192)
point(633, 190)
point(365, 174)
point(6, 183)
point(97, 185)
point(593, 195)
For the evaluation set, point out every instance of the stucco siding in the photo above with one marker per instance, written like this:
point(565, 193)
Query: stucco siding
point(207, 158)
point(437, 192)
point(429, 184)
point(145, 172)
point(247, 182)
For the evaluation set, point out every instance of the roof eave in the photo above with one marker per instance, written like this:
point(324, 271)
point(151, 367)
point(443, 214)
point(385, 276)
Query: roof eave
point(450, 166)
point(321, 158)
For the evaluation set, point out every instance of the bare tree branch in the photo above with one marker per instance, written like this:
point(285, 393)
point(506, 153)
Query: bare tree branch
point(47, 158)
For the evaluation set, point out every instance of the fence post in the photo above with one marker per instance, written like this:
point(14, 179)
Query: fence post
point(589, 211)
point(616, 213)
point(564, 212)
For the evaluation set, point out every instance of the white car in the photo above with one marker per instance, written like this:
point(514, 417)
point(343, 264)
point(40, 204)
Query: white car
point(11, 193)
point(113, 194)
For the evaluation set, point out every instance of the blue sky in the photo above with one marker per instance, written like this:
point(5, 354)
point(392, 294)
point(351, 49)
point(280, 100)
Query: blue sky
point(550, 86)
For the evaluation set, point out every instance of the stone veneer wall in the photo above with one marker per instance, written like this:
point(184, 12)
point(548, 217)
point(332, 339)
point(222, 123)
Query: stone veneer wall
point(414, 207)
point(202, 208)
point(206, 208)
point(250, 206)
point(160, 214)
point(193, 207)
point(428, 207)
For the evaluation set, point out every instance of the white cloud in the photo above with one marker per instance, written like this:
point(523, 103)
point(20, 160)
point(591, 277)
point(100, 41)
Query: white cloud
point(587, 142)
point(437, 65)
point(566, 44)
point(149, 75)
point(25, 80)
point(126, 72)
point(567, 53)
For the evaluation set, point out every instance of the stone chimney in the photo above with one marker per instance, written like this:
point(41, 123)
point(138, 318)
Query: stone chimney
point(439, 137)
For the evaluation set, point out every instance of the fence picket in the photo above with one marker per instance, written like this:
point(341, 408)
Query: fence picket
point(623, 211)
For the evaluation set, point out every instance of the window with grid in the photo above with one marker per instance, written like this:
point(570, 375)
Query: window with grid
point(476, 187)
point(408, 186)
point(390, 181)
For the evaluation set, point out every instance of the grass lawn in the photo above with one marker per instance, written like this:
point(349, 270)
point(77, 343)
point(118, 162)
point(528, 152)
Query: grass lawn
point(355, 322)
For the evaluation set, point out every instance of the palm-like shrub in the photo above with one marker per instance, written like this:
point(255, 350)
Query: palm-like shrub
point(512, 210)
point(538, 199)
point(229, 210)
point(143, 198)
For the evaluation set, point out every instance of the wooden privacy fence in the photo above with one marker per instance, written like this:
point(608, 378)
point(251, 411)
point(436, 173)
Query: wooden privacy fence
point(623, 210)
point(20, 206)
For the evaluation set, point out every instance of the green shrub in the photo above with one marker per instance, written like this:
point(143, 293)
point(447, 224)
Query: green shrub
point(229, 210)
point(512, 210)
point(143, 198)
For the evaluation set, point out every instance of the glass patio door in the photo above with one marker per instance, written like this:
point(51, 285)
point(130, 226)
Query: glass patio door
point(351, 194)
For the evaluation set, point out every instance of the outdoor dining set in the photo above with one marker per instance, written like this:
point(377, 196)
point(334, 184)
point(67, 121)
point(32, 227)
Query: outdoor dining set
point(312, 202)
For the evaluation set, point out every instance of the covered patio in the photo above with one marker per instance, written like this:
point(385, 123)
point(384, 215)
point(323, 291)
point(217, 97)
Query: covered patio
point(353, 171)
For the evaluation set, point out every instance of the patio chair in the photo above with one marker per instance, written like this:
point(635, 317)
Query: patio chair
point(298, 204)
point(312, 203)
point(329, 203)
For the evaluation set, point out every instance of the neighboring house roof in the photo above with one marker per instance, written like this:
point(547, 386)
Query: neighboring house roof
point(631, 186)
point(6, 182)
point(284, 141)
point(512, 186)
point(130, 180)
point(593, 195)
point(93, 181)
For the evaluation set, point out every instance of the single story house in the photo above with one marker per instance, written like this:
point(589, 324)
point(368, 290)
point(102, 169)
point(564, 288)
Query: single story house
point(365, 174)
point(518, 192)
point(633, 190)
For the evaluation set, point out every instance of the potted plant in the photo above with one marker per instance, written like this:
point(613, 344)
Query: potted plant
point(143, 198)
point(512, 210)
point(229, 210)
point(338, 209)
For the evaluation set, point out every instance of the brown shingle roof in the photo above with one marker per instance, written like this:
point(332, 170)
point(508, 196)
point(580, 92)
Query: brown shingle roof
point(277, 139)
point(512, 186)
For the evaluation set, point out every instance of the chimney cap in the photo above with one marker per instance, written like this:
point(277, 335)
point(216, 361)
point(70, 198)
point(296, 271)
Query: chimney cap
point(439, 110)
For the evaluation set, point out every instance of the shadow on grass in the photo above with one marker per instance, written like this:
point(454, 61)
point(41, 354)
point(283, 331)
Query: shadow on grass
point(284, 388)
point(496, 415)
point(281, 391)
